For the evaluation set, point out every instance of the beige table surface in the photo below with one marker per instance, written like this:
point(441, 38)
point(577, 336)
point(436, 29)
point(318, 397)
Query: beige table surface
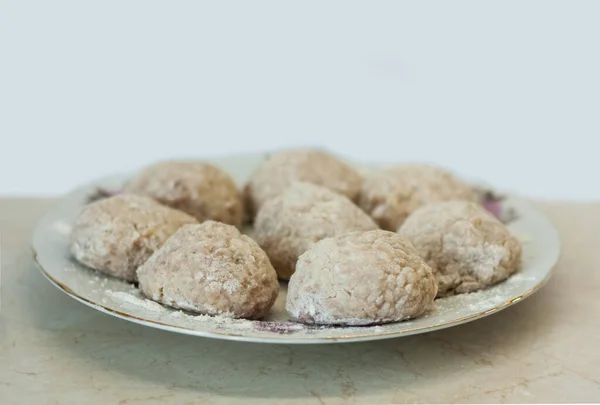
point(55, 350)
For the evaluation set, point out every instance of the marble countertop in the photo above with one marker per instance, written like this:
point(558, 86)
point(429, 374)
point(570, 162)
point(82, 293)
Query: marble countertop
point(54, 350)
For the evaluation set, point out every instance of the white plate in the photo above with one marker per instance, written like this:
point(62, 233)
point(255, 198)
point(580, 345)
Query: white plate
point(50, 245)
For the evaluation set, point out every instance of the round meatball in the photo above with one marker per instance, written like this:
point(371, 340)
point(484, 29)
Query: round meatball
point(360, 278)
point(389, 196)
point(466, 246)
point(200, 189)
point(291, 223)
point(313, 166)
point(211, 269)
point(118, 234)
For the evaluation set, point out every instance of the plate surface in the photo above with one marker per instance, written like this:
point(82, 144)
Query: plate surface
point(541, 250)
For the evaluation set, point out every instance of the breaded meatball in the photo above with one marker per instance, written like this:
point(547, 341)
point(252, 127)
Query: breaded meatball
point(118, 234)
point(211, 269)
point(285, 167)
point(360, 278)
point(291, 223)
point(202, 190)
point(466, 246)
point(390, 195)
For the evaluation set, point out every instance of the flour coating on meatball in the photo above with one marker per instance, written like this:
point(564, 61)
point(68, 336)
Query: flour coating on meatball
point(466, 246)
point(391, 195)
point(200, 189)
point(360, 278)
point(118, 234)
point(211, 269)
point(283, 168)
point(291, 223)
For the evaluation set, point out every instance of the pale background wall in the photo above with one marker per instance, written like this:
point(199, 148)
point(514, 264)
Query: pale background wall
point(508, 91)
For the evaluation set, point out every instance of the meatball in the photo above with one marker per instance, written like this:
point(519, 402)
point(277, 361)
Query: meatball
point(118, 234)
point(200, 189)
point(466, 246)
point(211, 269)
point(389, 196)
point(285, 167)
point(360, 278)
point(289, 224)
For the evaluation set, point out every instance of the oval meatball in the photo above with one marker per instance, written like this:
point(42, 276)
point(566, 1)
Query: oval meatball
point(466, 246)
point(289, 224)
point(283, 168)
point(211, 269)
point(391, 195)
point(118, 234)
point(202, 190)
point(360, 278)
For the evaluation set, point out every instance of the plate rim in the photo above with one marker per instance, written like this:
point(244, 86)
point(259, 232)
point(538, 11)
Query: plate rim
point(282, 338)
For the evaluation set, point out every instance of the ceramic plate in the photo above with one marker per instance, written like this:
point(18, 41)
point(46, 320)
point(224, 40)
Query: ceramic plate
point(118, 298)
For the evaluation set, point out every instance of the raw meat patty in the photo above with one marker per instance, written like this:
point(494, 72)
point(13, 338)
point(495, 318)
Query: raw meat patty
point(389, 196)
point(360, 278)
point(280, 170)
point(211, 269)
point(289, 224)
point(202, 190)
point(465, 245)
point(118, 234)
